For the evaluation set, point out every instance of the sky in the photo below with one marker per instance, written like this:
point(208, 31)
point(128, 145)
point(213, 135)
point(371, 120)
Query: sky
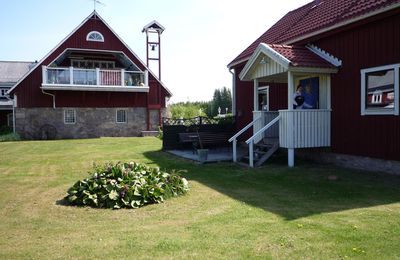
point(201, 36)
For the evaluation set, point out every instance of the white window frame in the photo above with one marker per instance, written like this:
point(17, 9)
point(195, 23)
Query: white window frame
point(94, 40)
point(126, 116)
point(1, 92)
point(84, 64)
point(264, 90)
point(65, 113)
point(369, 111)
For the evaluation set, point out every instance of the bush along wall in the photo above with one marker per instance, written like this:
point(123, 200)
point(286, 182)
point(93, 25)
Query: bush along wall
point(126, 185)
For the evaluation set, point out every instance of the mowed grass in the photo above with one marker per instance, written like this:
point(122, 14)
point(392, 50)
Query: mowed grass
point(230, 213)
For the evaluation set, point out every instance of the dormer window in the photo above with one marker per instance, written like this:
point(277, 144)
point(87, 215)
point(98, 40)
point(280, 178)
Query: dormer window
point(95, 36)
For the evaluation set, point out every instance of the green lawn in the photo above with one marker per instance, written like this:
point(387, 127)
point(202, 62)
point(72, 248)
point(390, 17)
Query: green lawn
point(230, 212)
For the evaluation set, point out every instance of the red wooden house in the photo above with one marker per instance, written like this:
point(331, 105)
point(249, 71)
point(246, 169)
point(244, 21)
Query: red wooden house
point(345, 55)
point(91, 84)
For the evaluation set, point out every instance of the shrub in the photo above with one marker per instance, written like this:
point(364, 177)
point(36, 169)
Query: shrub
point(4, 130)
point(160, 134)
point(126, 185)
point(10, 137)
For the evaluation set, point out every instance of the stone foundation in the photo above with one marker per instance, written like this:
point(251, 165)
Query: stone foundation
point(349, 161)
point(48, 123)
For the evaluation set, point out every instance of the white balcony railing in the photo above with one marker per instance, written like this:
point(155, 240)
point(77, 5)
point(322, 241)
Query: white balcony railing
point(94, 79)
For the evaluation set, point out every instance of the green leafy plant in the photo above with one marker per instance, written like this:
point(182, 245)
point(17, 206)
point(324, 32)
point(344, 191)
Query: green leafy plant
point(160, 134)
point(10, 137)
point(126, 185)
point(4, 130)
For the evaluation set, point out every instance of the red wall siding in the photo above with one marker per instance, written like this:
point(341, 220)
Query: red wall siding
point(30, 95)
point(277, 96)
point(370, 45)
point(244, 101)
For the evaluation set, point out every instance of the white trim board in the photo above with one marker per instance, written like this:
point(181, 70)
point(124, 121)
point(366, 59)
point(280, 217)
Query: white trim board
point(324, 55)
point(269, 52)
point(94, 88)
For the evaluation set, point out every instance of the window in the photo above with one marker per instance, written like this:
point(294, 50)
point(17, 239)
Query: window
point(380, 90)
point(95, 36)
point(91, 64)
point(377, 97)
point(121, 116)
point(10, 120)
point(69, 116)
point(3, 92)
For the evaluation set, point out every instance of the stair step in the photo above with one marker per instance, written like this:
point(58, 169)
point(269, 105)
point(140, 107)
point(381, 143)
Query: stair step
point(260, 152)
point(248, 158)
point(264, 145)
point(243, 164)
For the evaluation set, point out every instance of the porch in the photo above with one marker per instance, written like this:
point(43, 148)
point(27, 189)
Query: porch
point(305, 125)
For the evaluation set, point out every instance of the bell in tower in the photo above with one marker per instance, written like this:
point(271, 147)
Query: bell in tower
point(153, 46)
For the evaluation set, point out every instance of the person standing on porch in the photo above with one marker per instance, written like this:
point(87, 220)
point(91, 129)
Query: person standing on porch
point(298, 98)
point(310, 100)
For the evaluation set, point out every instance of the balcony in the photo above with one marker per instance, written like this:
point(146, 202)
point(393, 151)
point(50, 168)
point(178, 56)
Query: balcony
point(77, 79)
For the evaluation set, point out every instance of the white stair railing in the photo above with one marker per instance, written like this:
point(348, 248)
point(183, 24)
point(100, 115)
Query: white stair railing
point(250, 141)
point(234, 138)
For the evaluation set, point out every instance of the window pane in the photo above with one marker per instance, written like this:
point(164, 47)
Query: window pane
point(121, 116)
point(380, 90)
point(69, 116)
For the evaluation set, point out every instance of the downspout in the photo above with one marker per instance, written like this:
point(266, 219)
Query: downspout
point(232, 71)
point(54, 97)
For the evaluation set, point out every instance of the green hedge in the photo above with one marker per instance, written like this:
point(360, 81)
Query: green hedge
point(10, 137)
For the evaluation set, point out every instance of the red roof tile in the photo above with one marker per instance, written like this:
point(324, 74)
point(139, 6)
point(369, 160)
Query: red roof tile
point(300, 56)
point(312, 17)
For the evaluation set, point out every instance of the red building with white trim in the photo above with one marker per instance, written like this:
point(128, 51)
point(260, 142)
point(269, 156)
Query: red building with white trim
point(91, 84)
point(345, 54)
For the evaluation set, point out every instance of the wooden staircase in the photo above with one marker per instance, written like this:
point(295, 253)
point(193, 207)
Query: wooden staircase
point(262, 152)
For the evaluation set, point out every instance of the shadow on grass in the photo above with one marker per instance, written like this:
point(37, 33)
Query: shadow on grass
point(291, 193)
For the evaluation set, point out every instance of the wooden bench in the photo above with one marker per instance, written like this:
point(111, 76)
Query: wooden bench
point(208, 139)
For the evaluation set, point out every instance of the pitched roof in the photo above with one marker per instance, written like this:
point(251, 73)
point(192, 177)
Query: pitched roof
point(300, 56)
point(94, 14)
point(278, 58)
point(155, 26)
point(12, 71)
point(314, 17)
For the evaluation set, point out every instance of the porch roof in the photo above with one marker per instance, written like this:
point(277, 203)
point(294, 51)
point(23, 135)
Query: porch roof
point(273, 59)
point(301, 56)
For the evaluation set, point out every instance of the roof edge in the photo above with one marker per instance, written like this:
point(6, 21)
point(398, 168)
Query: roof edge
point(343, 23)
point(51, 51)
point(147, 26)
point(270, 52)
point(390, 7)
point(324, 55)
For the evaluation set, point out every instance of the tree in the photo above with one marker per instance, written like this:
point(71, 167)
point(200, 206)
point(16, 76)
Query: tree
point(222, 99)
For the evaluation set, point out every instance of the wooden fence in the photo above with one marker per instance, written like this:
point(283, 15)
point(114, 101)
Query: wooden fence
point(173, 126)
